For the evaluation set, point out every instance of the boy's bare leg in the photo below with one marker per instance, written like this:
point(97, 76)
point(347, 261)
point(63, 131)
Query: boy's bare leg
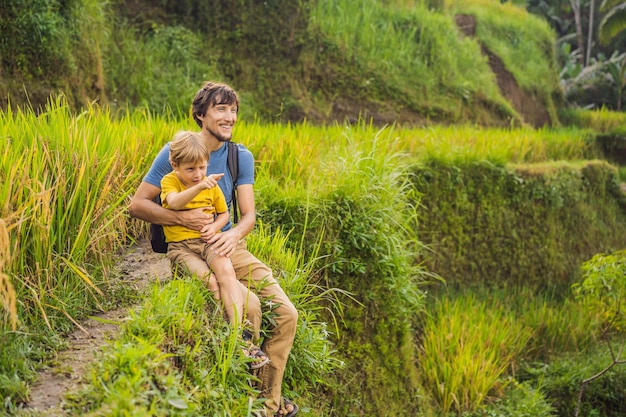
point(229, 288)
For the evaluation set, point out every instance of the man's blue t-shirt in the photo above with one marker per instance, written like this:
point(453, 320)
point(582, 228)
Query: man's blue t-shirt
point(217, 165)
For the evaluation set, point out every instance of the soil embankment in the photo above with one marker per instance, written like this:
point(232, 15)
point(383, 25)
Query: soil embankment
point(526, 104)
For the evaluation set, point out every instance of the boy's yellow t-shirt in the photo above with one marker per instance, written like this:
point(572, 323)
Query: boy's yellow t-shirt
point(212, 197)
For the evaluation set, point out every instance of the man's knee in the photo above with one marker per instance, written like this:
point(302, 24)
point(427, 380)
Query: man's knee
point(252, 303)
point(288, 315)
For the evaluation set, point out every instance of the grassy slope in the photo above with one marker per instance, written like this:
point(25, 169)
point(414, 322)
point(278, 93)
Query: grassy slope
point(325, 60)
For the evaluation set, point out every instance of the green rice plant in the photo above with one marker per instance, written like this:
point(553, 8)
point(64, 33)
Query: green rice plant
point(557, 327)
point(467, 347)
point(462, 144)
point(556, 322)
point(69, 213)
point(78, 172)
point(65, 180)
point(302, 158)
point(7, 292)
point(601, 120)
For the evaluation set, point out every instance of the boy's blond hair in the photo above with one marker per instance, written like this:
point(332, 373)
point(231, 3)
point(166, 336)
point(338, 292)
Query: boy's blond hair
point(188, 147)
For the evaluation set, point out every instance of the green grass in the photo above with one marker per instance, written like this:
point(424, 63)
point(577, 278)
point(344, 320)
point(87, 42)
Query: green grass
point(414, 54)
point(65, 180)
point(514, 35)
point(601, 120)
point(467, 348)
point(176, 354)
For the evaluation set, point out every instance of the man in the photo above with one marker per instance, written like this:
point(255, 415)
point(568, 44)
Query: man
point(215, 108)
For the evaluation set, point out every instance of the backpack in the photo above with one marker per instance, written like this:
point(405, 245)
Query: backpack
point(157, 235)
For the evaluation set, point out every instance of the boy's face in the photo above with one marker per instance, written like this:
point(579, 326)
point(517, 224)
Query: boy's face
point(190, 173)
point(219, 121)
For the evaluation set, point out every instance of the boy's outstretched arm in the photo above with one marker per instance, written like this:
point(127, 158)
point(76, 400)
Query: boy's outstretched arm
point(178, 200)
point(142, 206)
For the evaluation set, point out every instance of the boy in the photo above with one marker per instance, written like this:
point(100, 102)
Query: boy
point(188, 187)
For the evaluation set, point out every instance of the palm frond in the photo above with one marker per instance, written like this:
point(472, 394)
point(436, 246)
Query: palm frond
point(609, 4)
point(612, 24)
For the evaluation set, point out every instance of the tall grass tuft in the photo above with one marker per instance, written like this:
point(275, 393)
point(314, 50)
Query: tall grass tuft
point(467, 346)
point(7, 292)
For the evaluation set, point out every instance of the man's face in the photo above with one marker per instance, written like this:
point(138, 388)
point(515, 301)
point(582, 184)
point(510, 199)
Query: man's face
point(219, 121)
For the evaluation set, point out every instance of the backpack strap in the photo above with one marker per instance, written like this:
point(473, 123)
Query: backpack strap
point(232, 162)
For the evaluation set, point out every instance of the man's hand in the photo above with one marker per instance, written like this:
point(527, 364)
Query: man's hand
point(224, 243)
point(196, 219)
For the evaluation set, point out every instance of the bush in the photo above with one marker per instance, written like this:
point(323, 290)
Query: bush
point(520, 400)
point(170, 64)
point(563, 376)
point(362, 219)
point(523, 225)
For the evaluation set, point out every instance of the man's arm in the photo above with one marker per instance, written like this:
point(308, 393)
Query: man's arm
point(142, 206)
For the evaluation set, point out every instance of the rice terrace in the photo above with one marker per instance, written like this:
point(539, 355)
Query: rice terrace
point(439, 189)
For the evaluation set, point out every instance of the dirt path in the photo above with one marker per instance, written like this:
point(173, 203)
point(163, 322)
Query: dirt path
point(139, 266)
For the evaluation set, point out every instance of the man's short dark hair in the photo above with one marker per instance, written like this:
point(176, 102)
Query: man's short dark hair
point(212, 94)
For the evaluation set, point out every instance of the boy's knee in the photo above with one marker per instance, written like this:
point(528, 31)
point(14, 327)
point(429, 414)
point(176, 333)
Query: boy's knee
point(215, 289)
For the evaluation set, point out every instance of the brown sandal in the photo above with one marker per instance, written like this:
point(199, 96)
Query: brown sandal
point(282, 412)
point(258, 358)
